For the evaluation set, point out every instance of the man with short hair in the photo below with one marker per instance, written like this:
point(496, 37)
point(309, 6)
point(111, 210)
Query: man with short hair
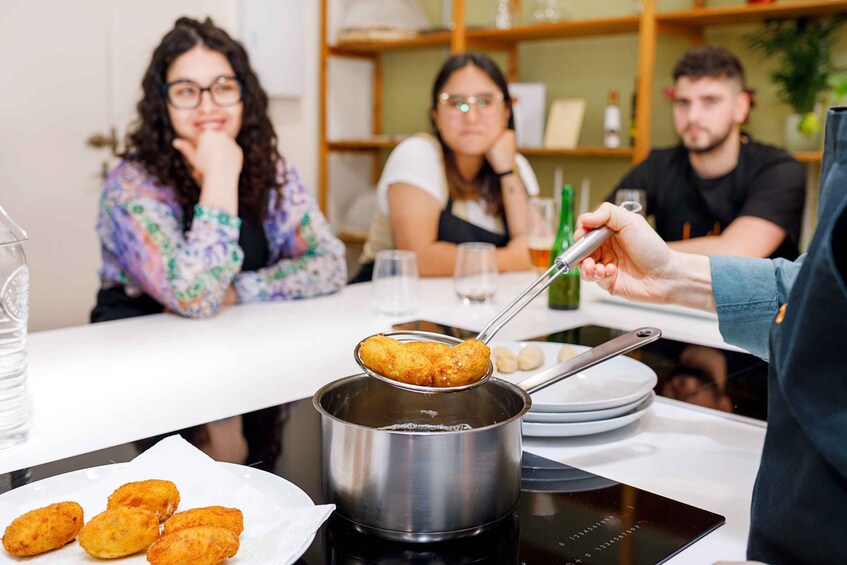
point(719, 192)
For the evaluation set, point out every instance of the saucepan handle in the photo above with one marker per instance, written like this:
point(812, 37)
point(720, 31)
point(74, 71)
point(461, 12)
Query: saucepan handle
point(603, 352)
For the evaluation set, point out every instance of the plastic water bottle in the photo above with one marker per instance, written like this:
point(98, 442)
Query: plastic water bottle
point(14, 311)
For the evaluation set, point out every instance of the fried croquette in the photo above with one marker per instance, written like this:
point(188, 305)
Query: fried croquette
point(505, 360)
point(43, 529)
point(464, 364)
point(204, 545)
point(430, 350)
point(157, 496)
point(426, 363)
point(230, 518)
point(118, 532)
point(530, 358)
point(391, 358)
point(565, 353)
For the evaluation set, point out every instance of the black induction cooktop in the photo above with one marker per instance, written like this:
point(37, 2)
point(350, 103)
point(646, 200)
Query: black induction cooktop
point(564, 515)
point(718, 379)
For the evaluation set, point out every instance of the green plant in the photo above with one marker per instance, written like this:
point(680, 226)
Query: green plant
point(805, 63)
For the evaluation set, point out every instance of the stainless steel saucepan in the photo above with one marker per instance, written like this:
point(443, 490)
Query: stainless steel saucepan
point(428, 467)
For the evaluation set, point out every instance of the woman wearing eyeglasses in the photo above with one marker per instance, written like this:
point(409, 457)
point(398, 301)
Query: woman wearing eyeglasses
point(464, 183)
point(203, 210)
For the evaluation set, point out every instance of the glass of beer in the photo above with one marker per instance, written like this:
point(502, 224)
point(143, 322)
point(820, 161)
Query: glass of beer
point(540, 231)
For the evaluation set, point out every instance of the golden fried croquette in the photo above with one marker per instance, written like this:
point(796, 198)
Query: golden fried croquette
point(426, 363)
point(230, 518)
point(203, 545)
point(43, 529)
point(391, 358)
point(432, 351)
point(464, 364)
point(118, 532)
point(505, 360)
point(531, 357)
point(159, 497)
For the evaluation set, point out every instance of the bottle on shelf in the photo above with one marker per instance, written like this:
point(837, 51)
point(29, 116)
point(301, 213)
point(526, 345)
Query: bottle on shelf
point(564, 291)
point(612, 122)
point(633, 131)
point(504, 19)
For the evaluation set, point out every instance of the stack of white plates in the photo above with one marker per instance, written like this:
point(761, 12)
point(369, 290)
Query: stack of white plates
point(605, 397)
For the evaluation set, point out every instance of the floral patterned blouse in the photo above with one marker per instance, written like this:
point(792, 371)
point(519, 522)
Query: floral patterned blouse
point(145, 249)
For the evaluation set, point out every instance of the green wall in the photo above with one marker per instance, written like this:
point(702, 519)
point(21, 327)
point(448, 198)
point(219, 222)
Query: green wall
point(586, 68)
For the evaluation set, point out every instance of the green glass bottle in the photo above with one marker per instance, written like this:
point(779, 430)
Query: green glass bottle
point(564, 292)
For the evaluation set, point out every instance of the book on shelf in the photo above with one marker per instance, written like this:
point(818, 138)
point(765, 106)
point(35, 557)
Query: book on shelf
point(529, 100)
point(564, 123)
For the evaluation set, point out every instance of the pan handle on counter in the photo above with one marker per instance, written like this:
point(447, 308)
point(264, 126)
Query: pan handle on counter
point(603, 352)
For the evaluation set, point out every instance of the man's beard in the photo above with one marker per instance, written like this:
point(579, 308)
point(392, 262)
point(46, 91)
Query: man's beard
point(716, 144)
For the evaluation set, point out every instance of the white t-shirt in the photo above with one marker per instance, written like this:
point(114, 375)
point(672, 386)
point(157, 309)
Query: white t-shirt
point(419, 161)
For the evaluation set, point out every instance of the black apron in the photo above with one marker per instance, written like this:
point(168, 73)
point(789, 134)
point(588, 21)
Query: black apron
point(113, 303)
point(452, 230)
point(799, 512)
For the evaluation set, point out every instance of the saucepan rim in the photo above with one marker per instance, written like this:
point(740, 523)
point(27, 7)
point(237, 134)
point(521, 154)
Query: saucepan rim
point(493, 381)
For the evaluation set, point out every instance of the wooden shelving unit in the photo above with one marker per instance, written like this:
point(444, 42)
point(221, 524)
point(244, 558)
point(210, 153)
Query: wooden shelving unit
point(647, 26)
point(557, 30)
point(751, 13)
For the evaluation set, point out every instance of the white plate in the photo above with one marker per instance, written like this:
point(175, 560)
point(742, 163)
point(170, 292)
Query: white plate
point(273, 488)
point(588, 416)
point(586, 428)
point(618, 381)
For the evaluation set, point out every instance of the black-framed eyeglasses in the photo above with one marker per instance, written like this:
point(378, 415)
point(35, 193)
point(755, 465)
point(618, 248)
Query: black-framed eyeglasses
point(187, 95)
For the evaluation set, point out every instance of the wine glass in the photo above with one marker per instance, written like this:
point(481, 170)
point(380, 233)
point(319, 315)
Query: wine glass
point(540, 231)
point(395, 282)
point(632, 195)
point(475, 275)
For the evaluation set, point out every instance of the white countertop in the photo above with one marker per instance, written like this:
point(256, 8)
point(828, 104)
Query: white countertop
point(98, 386)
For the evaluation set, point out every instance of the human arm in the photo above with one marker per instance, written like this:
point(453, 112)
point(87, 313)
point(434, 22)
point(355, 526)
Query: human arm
point(772, 211)
point(311, 259)
point(748, 294)
point(502, 156)
point(215, 161)
point(746, 236)
point(636, 263)
point(141, 227)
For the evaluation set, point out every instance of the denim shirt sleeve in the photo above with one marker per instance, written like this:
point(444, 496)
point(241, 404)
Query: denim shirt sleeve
point(748, 293)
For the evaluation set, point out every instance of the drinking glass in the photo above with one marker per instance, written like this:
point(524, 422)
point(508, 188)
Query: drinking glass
point(395, 282)
point(632, 195)
point(540, 231)
point(475, 276)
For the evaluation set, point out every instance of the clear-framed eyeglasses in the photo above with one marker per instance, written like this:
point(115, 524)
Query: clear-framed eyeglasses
point(457, 104)
point(187, 95)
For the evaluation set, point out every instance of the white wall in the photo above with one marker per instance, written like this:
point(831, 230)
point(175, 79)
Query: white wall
point(48, 177)
point(296, 120)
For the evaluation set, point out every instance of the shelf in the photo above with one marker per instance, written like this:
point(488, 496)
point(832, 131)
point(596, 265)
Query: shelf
point(355, 145)
point(623, 152)
point(555, 30)
point(423, 41)
point(808, 156)
point(365, 145)
point(751, 13)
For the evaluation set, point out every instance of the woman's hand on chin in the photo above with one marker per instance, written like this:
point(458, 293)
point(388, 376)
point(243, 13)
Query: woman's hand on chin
point(501, 155)
point(215, 154)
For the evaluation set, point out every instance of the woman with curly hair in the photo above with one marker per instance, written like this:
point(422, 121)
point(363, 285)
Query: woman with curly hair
point(203, 210)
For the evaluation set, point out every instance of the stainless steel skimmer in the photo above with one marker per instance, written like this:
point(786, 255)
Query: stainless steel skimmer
point(561, 265)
